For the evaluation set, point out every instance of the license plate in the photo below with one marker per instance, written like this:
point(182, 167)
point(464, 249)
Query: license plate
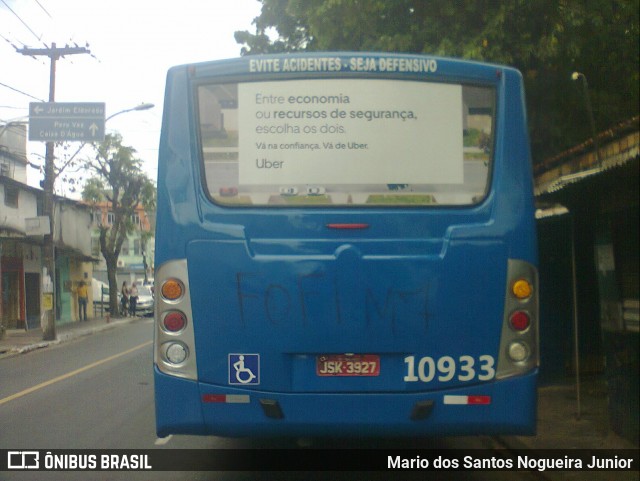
point(348, 365)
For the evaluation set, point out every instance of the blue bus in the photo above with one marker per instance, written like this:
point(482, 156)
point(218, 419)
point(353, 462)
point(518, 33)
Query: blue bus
point(345, 246)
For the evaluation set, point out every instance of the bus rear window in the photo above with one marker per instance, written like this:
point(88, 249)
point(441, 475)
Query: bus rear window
point(346, 142)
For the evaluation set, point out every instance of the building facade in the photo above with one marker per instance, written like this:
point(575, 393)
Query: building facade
point(589, 266)
point(23, 280)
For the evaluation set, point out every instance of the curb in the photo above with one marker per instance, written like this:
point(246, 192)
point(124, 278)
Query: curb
point(70, 335)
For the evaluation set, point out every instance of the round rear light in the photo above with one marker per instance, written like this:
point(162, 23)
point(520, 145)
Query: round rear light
point(520, 320)
point(176, 352)
point(174, 321)
point(522, 289)
point(172, 289)
point(518, 351)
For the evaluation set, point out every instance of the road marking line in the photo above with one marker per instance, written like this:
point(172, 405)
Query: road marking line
point(72, 373)
point(163, 441)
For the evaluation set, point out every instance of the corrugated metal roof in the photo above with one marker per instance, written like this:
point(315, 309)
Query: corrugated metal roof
point(621, 144)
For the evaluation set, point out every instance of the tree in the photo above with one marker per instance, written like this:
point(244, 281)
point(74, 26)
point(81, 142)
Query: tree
point(117, 178)
point(546, 40)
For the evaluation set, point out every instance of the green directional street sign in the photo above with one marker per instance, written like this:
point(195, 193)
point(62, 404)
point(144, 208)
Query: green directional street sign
point(66, 121)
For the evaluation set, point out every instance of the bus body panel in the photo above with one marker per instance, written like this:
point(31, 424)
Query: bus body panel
point(288, 309)
point(178, 405)
point(421, 288)
point(360, 414)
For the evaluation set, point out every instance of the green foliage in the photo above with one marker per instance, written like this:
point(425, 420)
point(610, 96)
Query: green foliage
point(401, 199)
point(117, 178)
point(93, 191)
point(545, 39)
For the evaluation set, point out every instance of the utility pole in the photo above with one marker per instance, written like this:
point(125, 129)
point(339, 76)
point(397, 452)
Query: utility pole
point(54, 53)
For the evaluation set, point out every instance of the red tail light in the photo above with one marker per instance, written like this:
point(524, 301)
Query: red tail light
point(174, 321)
point(520, 320)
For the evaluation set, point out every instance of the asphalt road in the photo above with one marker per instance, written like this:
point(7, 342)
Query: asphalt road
point(97, 393)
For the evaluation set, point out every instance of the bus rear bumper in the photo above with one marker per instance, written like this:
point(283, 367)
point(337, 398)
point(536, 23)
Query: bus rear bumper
point(501, 407)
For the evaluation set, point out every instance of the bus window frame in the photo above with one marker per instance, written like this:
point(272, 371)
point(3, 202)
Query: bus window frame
point(197, 82)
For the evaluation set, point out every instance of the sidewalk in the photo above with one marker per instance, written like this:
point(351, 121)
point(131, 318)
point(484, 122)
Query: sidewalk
point(560, 428)
point(19, 341)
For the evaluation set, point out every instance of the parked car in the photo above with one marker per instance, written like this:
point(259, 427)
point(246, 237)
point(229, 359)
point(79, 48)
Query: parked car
point(315, 190)
point(288, 191)
point(146, 302)
point(149, 282)
point(228, 191)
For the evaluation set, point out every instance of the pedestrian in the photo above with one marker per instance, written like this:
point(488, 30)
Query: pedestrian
point(124, 299)
point(133, 299)
point(83, 298)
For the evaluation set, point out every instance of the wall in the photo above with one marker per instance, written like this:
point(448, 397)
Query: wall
point(13, 218)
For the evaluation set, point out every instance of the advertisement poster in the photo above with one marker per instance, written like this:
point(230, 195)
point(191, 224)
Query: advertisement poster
point(349, 131)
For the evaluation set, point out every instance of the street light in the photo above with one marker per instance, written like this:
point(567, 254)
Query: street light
point(575, 76)
point(144, 106)
point(137, 108)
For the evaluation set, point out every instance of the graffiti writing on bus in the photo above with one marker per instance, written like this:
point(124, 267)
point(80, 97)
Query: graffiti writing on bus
point(318, 296)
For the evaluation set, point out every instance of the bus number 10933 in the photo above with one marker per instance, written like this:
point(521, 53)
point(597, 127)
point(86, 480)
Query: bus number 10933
point(445, 368)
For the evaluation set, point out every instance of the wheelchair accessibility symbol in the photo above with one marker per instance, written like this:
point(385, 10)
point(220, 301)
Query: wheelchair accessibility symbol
point(244, 369)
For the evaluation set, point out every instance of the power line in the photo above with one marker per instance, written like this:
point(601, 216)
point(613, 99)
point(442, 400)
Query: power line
point(21, 21)
point(21, 92)
point(43, 9)
point(7, 40)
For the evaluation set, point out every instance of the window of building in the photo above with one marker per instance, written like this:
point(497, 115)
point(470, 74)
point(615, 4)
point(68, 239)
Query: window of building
point(135, 218)
point(95, 247)
point(96, 217)
point(11, 193)
point(111, 218)
point(124, 250)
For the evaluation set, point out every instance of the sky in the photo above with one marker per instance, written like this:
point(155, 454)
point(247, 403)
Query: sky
point(132, 42)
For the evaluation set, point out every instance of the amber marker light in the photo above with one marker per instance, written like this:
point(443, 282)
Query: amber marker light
point(522, 289)
point(172, 289)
